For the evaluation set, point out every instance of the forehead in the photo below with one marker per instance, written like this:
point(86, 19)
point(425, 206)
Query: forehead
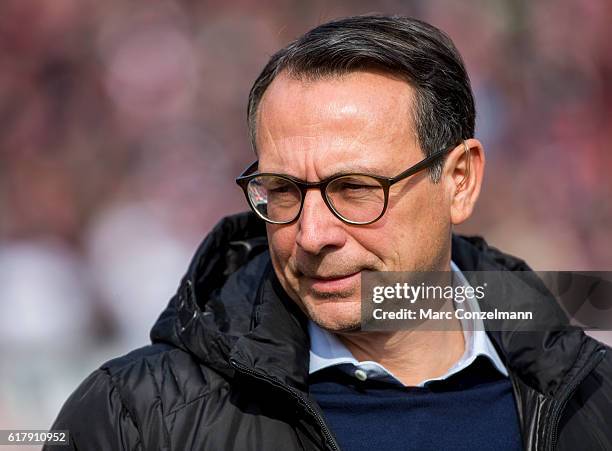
point(335, 116)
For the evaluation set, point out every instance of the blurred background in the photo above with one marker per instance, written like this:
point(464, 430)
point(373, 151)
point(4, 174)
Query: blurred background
point(122, 127)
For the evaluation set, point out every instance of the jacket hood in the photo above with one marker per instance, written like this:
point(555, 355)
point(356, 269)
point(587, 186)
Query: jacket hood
point(230, 306)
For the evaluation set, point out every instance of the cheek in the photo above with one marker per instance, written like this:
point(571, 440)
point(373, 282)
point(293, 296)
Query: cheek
point(282, 242)
point(386, 245)
point(411, 234)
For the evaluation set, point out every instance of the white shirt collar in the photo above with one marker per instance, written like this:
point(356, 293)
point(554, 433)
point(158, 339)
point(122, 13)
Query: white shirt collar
point(327, 350)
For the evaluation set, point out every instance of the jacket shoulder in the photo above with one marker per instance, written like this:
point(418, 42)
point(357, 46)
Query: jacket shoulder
point(96, 417)
point(586, 419)
point(113, 404)
point(160, 377)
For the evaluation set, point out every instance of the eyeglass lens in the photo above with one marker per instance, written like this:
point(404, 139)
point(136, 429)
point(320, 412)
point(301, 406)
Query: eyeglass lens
point(356, 198)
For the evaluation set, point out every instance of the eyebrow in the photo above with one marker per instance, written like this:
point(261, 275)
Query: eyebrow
point(349, 169)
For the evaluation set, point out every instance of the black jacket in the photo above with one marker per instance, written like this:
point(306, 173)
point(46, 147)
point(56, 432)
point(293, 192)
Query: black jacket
point(228, 366)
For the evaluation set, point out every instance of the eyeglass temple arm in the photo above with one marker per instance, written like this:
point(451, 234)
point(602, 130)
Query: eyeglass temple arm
point(408, 172)
point(419, 166)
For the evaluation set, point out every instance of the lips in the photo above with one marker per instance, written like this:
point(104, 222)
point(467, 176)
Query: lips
point(331, 284)
point(328, 278)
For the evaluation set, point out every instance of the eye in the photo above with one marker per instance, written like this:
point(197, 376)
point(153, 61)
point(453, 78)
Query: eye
point(355, 186)
point(280, 189)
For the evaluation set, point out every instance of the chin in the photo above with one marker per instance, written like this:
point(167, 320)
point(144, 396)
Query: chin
point(335, 315)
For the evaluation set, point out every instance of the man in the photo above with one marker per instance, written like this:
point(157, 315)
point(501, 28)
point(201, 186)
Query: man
point(363, 130)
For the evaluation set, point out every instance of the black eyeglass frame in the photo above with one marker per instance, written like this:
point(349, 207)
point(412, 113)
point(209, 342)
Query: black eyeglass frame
point(385, 182)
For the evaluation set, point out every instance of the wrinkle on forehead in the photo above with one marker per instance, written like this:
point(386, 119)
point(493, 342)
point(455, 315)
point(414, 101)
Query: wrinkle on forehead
point(347, 117)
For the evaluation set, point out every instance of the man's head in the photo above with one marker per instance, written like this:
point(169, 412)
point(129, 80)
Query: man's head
point(372, 95)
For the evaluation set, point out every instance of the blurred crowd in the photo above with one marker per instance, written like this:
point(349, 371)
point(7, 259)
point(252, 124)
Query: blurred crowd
point(123, 126)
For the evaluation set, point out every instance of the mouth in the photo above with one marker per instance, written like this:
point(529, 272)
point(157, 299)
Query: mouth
point(327, 285)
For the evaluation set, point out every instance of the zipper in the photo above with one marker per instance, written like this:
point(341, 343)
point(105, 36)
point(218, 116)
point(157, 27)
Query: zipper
point(329, 439)
point(556, 414)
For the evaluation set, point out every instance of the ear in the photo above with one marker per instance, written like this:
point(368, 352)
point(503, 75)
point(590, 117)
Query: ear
point(463, 174)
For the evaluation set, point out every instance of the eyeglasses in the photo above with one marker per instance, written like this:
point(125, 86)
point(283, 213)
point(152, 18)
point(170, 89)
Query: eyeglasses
point(357, 198)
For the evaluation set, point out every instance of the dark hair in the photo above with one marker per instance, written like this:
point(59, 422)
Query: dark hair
point(416, 51)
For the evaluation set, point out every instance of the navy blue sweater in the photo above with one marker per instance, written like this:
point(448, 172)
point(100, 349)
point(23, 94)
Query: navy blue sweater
point(472, 410)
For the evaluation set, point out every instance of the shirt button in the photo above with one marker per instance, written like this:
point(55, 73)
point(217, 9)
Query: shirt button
point(361, 375)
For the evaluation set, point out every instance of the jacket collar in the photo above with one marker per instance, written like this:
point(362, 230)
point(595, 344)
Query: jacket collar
point(278, 344)
point(546, 360)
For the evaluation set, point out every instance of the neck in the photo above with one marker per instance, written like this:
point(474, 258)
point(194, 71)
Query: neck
point(412, 355)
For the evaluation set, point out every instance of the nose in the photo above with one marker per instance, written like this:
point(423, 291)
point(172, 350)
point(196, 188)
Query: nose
point(319, 229)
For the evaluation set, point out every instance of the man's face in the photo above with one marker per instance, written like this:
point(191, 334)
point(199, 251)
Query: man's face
point(360, 122)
